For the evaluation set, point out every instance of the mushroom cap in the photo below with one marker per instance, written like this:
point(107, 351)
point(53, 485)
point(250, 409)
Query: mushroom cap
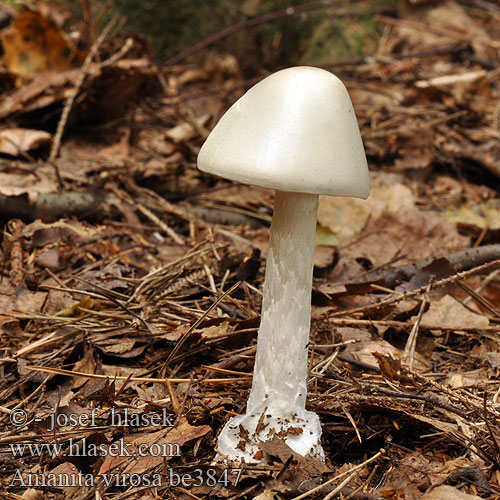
point(293, 131)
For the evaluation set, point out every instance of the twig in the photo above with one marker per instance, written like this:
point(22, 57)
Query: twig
point(355, 492)
point(481, 300)
point(183, 339)
point(116, 57)
point(496, 446)
point(151, 216)
point(336, 478)
point(76, 88)
point(466, 259)
point(483, 283)
point(454, 35)
point(87, 31)
point(408, 325)
point(418, 291)
point(346, 481)
point(409, 352)
point(55, 205)
point(482, 4)
point(71, 373)
point(429, 398)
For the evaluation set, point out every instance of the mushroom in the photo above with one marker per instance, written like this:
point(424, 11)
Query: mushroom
point(295, 131)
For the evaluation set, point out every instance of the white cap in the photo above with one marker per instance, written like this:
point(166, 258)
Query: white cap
point(293, 131)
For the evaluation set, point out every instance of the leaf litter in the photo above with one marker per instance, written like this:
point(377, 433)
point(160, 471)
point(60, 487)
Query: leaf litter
point(131, 281)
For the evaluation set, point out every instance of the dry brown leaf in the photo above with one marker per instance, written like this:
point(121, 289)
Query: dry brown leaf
point(459, 84)
point(486, 155)
point(185, 130)
point(409, 478)
point(103, 101)
point(372, 351)
point(447, 17)
point(216, 331)
point(44, 90)
point(470, 378)
point(66, 231)
point(344, 217)
point(267, 494)
point(447, 492)
point(168, 438)
point(15, 141)
point(60, 398)
point(49, 259)
point(86, 364)
point(32, 494)
point(448, 313)
point(31, 184)
point(276, 447)
point(395, 230)
point(32, 44)
point(31, 302)
point(476, 215)
point(123, 349)
point(117, 153)
point(324, 256)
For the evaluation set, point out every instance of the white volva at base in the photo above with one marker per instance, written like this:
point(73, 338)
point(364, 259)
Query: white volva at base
point(243, 445)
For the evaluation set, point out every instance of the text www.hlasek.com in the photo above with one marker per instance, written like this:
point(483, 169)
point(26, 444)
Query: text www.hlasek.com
point(85, 449)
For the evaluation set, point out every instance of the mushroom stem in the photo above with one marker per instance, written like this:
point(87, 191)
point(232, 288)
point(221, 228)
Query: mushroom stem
point(276, 403)
point(281, 361)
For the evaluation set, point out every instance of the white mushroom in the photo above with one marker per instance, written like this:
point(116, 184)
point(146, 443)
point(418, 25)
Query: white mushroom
point(296, 132)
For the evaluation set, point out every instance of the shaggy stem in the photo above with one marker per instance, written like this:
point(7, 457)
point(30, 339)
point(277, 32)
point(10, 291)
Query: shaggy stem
point(276, 405)
point(281, 361)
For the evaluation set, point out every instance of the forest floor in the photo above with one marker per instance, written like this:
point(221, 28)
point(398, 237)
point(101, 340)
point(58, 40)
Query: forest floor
point(131, 282)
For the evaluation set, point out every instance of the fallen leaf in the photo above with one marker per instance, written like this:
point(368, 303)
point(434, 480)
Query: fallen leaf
point(446, 492)
point(117, 153)
point(28, 183)
point(32, 494)
point(86, 364)
point(325, 237)
point(373, 351)
point(476, 215)
point(45, 89)
point(124, 349)
point(15, 141)
point(185, 130)
point(324, 256)
point(412, 473)
point(49, 259)
point(66, 231)
point(267, 494)
point(32, 44)
point(458, 380)
point(75, 310)
point(164, 440)
point(216, 331)
point(27, 301)
point(277, 447)
point(342, 218)
point(448, 313)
